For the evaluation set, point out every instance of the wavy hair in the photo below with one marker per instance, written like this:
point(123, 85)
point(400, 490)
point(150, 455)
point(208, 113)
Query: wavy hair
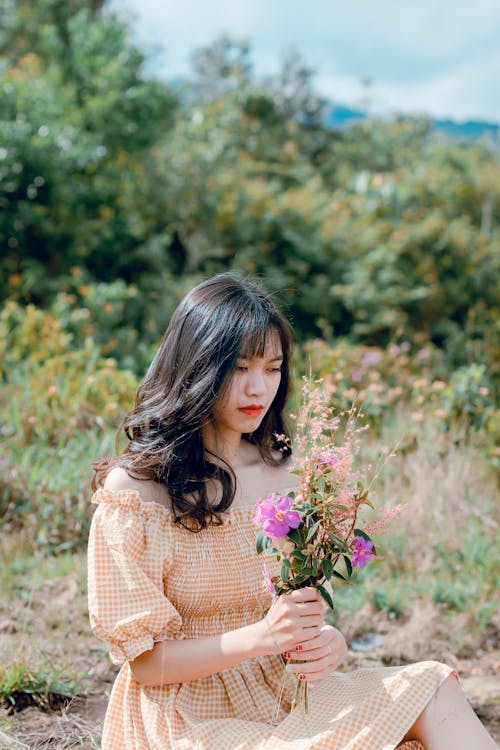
point(220, 320)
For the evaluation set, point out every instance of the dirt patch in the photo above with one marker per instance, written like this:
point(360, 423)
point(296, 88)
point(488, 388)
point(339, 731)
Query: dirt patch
point(80, 724)
point(52, 625)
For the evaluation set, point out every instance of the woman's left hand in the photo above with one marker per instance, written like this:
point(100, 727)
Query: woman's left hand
point(320, 656)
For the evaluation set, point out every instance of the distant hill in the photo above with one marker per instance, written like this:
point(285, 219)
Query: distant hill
point(339, 116)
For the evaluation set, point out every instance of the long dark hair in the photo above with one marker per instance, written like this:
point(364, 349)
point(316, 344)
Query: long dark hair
point(221, 319)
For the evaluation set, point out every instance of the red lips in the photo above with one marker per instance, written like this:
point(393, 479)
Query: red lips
point(253, 410)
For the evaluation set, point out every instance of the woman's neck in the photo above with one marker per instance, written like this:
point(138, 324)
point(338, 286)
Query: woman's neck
point(228, 445)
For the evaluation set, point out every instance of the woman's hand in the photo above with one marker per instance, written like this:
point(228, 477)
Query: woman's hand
point(294, 618)
point(320, 656)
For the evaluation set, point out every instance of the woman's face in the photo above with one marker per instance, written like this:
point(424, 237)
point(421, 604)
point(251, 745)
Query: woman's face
point(251, 390)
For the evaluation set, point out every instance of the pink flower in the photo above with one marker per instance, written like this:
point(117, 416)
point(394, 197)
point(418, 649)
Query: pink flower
point(372, 358)
point(361, 552)
point(268, 582)
point(275, 516)
point(330, 459)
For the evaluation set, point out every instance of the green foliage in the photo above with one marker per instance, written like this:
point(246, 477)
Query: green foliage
point(59, 408)
point(379, 380)
point(78, 117)
point(443, 547)
point(21, 685)
point(113, 182)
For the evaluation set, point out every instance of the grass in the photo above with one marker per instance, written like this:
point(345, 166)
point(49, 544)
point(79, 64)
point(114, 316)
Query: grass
point(441, 555)
point(443, 548)
point(21, 685)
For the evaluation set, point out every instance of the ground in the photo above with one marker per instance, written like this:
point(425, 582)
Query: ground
point(52, 623)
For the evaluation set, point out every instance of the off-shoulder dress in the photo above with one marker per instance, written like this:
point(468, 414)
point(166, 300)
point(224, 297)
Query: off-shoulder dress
point(151, 579)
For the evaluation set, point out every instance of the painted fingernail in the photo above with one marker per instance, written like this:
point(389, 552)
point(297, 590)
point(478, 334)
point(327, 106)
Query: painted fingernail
point(302, 676)
point(286, 655)
point(298, 647)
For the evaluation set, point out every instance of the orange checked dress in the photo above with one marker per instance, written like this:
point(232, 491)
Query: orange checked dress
point(151, 579)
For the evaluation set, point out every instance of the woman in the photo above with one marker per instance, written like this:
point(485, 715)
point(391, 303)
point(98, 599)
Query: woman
point(175, 585)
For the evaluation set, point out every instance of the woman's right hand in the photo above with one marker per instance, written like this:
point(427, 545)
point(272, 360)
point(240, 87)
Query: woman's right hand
point(292, 620)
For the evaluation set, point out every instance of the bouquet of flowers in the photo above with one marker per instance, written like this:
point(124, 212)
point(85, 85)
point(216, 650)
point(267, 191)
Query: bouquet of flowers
point(316, 531)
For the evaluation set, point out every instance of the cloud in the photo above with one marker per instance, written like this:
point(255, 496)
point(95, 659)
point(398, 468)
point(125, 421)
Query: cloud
point(462, 92)
point(439, 57)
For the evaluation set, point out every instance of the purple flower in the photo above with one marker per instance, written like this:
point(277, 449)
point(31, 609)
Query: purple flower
point(356, 376)
point(423, 354)
point(372, 358)
point(361, 552)
point(275, 516)
point(268, 582)
point(330, 459)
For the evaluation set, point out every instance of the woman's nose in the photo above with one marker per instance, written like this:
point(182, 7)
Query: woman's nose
point(256, 384)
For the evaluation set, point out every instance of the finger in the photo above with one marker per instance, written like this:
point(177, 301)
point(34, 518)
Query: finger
point(314, 607)
point(303, 636)
point(310, 668)
point(308, 653)
point(316, 676)
point(309, 594)
point(319, 642)
point(310, 620)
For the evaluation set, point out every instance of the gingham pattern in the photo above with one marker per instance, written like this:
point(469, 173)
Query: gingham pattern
point(150, 579)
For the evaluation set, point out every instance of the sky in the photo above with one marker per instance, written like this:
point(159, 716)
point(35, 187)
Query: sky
point(438, 57)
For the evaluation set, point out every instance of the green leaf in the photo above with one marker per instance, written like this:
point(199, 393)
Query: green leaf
point(284, 572)
point(348, 565)
point(261, 542)
point(359, 532)
point(287, 563)
point(295, 536)
point(339, 575)
point(326, 596)
point(339, 542)
point(327, 568)
point(313, 530)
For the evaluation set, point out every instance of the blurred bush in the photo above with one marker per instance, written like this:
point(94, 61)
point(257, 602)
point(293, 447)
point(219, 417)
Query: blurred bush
point(408, 377)
point(118, 193)
point(124, 191)
point(59, 409)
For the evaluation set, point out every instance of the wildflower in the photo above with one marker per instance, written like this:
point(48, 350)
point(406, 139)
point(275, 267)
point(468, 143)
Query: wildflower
point(356, 375)
point(268, 582)
point(329, 459)
point(372, 358)
point(361, 552)
point(275, 516)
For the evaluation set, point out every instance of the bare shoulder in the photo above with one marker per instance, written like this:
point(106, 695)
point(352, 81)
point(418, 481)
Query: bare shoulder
point(119, 480)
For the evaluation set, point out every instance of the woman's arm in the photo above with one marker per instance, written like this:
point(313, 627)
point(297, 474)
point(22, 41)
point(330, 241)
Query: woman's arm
point(293, 618)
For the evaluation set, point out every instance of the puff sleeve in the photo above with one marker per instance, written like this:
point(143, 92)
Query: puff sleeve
point(127, 558)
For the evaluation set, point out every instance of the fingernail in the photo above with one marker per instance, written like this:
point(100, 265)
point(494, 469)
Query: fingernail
point(302, 676)
point(289, 667)
point(286, 655)
point(298, 647)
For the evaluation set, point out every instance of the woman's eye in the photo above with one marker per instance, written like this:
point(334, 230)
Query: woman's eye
point(241, 368)
point(275, 369)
